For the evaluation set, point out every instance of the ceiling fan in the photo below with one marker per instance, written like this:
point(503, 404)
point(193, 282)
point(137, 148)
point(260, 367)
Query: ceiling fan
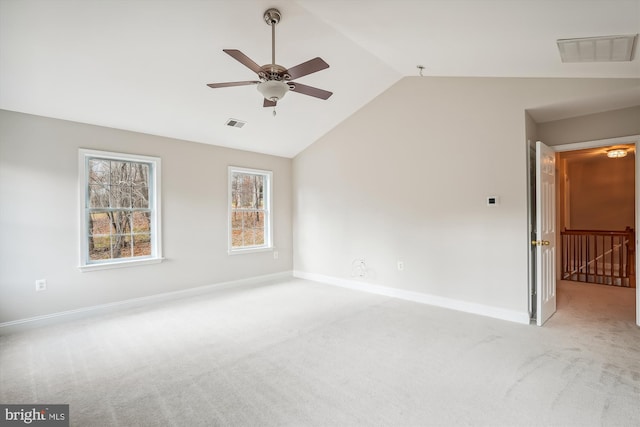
point(275, 80)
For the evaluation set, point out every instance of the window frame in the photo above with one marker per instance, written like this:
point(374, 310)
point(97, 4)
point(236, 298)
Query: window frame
point(268, 211)
point(155, 166)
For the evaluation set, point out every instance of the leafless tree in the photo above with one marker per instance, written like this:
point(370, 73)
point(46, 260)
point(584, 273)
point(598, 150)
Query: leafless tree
point(119, 199)
point(247, 204)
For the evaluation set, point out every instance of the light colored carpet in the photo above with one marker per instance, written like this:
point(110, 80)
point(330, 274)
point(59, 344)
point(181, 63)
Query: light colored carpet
point(299, 353)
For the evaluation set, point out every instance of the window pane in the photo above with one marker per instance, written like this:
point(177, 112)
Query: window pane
point(140, 188)
point(120, 196)
point(141, 222)
point(236, 220)
point(98, 171)
point(236, 238)
point(120, 173)
point(248, 236)
point(99, 223)
point(120, 222)
point(99, 247)
point(258, 189)
point(120, 246)
point(259, 228)
point(142, 244)
point(98, 196)
point(247, 191)
point(140, 195)
point(139, 172)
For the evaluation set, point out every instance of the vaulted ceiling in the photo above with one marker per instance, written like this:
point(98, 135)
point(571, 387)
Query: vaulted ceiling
point(143, 65)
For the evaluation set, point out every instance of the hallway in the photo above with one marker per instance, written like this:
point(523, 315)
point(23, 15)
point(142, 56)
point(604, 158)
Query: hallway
point(585, 305)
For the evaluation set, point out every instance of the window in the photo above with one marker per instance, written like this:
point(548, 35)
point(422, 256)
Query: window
point(249, 210)
point(120, 196)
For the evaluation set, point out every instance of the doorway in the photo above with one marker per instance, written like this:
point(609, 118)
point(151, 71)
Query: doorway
point(630, 141)
point(596, 215)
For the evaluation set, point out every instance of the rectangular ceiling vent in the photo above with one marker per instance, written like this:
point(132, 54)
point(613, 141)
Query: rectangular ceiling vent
point(235, 123)
point(597, 49)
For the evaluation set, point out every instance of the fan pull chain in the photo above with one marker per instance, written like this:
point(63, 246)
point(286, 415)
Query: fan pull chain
point(274, 111)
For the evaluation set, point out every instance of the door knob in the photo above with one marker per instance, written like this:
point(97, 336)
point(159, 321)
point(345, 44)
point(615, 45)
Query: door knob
point(540, 242)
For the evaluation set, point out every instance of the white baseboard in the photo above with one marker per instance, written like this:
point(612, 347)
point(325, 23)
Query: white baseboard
point(65, 316)
point(467, 307)
point(84, 312)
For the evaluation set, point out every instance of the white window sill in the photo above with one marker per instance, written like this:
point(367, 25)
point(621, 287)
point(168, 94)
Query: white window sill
point(120, 264)
point(250, 250)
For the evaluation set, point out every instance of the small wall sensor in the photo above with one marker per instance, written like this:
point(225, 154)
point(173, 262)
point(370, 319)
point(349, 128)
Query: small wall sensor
point(492, 200)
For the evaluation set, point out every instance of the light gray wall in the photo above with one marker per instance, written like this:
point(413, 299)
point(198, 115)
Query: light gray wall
point(609, 124)
point(39, 214)
point(406, 178)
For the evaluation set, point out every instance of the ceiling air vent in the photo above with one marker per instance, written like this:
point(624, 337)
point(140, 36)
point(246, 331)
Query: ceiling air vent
point(597, 49)
point(235, 123)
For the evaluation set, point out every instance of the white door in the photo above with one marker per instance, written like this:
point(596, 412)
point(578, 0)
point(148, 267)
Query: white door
point(545, 232)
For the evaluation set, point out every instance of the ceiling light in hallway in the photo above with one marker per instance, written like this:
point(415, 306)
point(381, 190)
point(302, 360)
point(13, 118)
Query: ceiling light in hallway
point(617, 153)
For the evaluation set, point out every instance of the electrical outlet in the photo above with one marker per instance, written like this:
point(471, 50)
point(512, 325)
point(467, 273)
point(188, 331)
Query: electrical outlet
point(275, 254)
point(400, 265)
point(41, 285)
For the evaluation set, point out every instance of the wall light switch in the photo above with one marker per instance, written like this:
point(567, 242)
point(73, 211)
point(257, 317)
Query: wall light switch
point(493, 200)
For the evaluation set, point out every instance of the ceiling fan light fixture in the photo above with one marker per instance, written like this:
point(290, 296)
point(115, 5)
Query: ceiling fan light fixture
point(273, 90)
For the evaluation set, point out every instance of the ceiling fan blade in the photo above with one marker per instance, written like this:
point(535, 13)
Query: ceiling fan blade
point(311, 91)
point(311, 66)
point(243, 59)
point(229, 84)
point(269, 103)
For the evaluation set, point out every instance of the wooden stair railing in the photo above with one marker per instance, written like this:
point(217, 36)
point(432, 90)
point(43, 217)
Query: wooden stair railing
point(596, 256)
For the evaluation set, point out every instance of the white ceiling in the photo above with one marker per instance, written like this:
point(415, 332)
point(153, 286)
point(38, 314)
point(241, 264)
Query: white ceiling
point(143, 65)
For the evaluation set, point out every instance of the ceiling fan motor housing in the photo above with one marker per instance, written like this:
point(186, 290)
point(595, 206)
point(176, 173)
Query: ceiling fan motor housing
point(273, 72)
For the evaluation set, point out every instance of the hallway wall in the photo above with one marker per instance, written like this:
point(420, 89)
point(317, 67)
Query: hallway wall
point(601, 193)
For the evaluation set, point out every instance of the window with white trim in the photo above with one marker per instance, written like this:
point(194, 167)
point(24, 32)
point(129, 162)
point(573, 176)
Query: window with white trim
point(120, 218)
point(249, 210)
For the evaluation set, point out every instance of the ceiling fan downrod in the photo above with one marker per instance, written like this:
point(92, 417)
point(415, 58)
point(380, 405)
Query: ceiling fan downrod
point(272, 18)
